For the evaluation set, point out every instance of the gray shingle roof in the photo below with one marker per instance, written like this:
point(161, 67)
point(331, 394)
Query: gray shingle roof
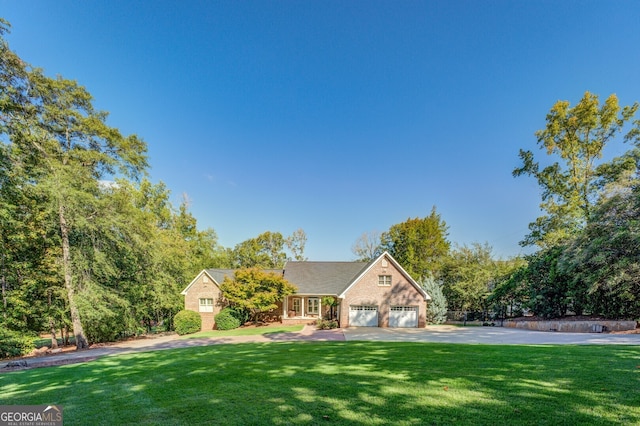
point(328, 278)
point(219, 274)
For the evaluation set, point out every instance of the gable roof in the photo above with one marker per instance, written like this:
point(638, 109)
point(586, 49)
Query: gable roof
point(217, 276)
point(330, 278)
point(396, 265)
point(314, 278)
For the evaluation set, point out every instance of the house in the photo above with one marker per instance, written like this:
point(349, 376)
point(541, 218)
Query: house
point(379, 293)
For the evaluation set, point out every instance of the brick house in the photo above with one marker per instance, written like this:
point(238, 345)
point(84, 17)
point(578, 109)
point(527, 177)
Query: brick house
point(379, 293)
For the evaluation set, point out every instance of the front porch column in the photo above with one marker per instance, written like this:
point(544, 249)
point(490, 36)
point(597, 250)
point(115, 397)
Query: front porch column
point(285, 308)
point(302, 311)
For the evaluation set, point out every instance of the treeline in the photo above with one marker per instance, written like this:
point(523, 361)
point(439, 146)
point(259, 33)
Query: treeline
point(588, 239)
point(588, 260)
point(88, 245)
point(457, 277)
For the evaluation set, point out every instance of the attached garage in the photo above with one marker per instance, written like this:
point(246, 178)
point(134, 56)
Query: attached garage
point(403, 316)
point(363, 316)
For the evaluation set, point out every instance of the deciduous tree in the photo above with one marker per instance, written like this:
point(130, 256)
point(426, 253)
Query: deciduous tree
point(420, 245)
point(576, 136)
point(256, 290)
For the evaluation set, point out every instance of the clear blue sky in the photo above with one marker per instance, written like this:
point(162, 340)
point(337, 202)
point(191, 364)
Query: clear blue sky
point(338, 117)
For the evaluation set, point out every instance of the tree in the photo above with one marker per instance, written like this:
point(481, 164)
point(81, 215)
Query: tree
point(367, 247)
point(468, 276)
point(256, 290)
point(509, 295)
point(267, 250)
point(603, 262)
point(295, 243)
point(578, 136)
point(437, 306)
point(419, 245)
point(58, 138)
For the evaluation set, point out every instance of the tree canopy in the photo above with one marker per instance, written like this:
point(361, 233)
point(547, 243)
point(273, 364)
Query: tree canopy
point(576, 136)
point(256, 290)
point(420, 245)
point(87, 242)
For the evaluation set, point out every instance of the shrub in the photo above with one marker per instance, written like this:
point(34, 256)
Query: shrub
point(326, 324)
point(187, 322)
point(226, 320)
point(13, 343)
point(242, 314)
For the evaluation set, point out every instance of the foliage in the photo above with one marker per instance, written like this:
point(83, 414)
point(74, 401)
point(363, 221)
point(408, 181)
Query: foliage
point(295, 243)
point(267, 250)
point(604, 261)
point(226, 320)
point(78, 248)
point(548, 286)
point(577, 136)
point(468, 275)
point(419, 245)
point(256, 290)
point(437, 306)
point(187, 322)
point(326, 324)
point(510, 295)
point(14, 343)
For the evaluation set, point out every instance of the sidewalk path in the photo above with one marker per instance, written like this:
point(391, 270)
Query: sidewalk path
point(442, 334)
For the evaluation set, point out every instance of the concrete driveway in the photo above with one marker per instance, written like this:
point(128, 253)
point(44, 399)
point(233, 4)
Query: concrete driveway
point(486, 335)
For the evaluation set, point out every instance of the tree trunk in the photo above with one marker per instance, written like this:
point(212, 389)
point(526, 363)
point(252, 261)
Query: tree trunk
point(4, 290)
point(54, 339)
point(78, 332)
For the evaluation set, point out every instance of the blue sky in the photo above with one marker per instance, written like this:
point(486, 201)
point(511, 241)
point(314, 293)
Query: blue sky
point(338, 117)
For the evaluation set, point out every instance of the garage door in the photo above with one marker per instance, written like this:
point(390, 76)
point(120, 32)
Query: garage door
point(403, 316)
point(363, 316)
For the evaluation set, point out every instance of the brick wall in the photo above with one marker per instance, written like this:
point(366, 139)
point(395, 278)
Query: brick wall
point(203, 288)
point(367, 292)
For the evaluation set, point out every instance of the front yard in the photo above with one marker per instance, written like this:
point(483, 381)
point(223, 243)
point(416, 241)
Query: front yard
point(360, 383)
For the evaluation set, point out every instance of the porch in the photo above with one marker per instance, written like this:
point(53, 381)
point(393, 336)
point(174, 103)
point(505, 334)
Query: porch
point(300, 309)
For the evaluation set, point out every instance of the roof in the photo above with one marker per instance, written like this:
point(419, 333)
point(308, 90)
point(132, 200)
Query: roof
point(217, 275)
point(397, 266)
point(330, 278)
point(313, 278)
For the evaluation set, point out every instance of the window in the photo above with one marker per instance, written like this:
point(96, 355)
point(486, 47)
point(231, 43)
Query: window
point(296, 305)
point(384, 280)
point(314, 306)
point(206, 305)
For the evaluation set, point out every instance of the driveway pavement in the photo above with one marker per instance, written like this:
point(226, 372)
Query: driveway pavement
point(443, 334)
point(169, 342)
point(487, 335)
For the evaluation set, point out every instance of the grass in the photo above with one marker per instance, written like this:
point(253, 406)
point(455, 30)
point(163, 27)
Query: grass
point(357, 383)
point(246, 331)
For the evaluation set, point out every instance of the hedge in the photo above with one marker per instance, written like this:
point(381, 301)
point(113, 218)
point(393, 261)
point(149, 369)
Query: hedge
point(13, 343)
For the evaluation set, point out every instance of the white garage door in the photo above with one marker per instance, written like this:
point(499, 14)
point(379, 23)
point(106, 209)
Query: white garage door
point(403, 316)
point(363, 316)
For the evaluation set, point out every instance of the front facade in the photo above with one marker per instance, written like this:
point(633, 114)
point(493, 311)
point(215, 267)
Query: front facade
point(379, 293)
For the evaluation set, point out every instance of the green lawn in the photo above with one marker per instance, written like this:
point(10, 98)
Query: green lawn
point(248, 331)
point(360, 383)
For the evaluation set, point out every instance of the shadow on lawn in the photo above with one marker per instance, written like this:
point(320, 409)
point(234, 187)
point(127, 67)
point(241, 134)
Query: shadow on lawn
point(342, 383)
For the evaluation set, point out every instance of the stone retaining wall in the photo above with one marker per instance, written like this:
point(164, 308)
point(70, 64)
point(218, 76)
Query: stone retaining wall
point(573, 326)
